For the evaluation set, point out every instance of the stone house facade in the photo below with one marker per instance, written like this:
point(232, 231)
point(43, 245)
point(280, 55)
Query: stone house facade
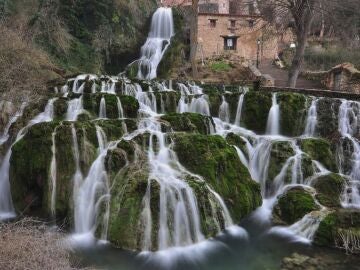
point(344, 77)
point(232, 27)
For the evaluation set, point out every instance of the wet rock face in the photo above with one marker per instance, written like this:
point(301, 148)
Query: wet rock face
point(293, 205)
point(329, 189)
point(340, 229)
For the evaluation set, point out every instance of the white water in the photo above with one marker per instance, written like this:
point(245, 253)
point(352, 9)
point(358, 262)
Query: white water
point(239, 109)
point(273, 123)
point(349, 127)
point(224, 111)
point(161, 31)
point(120, 108)
point(311, 121)
point(53, 175)
point(6, 205)
point(5, 135)
point(75, 107)
point(102, 109)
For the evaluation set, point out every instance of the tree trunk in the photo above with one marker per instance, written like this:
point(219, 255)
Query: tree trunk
point(298, 60)
point(194, 38)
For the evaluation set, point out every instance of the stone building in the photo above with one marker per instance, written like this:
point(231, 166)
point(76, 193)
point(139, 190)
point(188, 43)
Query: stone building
point(232, 27)
point(344, 77)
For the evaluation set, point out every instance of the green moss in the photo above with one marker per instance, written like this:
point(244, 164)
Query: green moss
point(219, 164)
point(256, 110)
point(130, 106)
point(33, 155)
point(328, 111)
point(189, 122)
point(292, 113)
point(220, 66)
point(320, 150)
point(281, 151)
point(294, 205)
point(167, 102)
point(329, 189)
point(60, 108)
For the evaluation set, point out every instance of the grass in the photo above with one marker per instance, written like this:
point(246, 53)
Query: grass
point(31, 244)
point(220, 66)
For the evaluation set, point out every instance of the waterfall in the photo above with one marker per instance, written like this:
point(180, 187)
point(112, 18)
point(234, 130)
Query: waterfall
point(273, 123)
point(199, 103)
point(161, 31)
point(90, 193)
point(224, 111)
point(349, 128)
point(239, 109)
point(53, 176)
point(6, 206)
point(179, 217)
point(5, 135)
point(120, 108)
point(75, 108)
point(102, 109)
point(311, 120)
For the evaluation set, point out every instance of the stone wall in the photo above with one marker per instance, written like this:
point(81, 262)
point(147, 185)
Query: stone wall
point(246, 29)
point(344, 77)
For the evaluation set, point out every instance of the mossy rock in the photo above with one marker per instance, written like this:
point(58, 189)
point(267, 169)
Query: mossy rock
point(190, 122)
point(29, 168)
point(234, 139)
point(130, 106)
point(293, 205)
point(256, 109)
point(319, 150)
point(281, 151)
point(328, 111)
point(60, 108)
point(167, 102)
point(292, 113)
point(342, 221)
point(329, 189)
point(218, 162)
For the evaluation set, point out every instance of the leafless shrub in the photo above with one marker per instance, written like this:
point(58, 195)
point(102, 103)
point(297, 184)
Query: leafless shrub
point(31, 244)
point(24, 69)
point(348, 240)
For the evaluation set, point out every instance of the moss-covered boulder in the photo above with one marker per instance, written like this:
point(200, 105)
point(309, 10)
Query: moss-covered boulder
point(293, 113)
point(281, 151)
point(237, 141)
point(319, 150)
point(60, 108)
point(189, 122)
point(219, 164)
point(328, 111)
point(256, 110)
point(293, 205)
point(167, 101)
point(329, 189)
point(340, 229)
point(29, 168)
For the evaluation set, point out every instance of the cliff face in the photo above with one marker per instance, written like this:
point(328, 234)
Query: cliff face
point(85, 35)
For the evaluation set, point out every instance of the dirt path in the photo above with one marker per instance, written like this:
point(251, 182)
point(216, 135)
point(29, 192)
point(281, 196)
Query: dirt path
point(281, 76)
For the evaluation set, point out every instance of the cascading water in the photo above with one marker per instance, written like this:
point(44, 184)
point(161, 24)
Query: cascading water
point(311, 121)
point(120, 108)
point(6, 206)
point(90, 193)
point(349, 127)
point(273, 123)
point(161, 31)
point(239, 109)
point(224, 112)
point(75, 108)
point(5, 135)
point(102, 109)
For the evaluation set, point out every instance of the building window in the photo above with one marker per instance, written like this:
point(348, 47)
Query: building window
point(230, 43)
point(212, 23)
point(251, 23)
point(232, 23)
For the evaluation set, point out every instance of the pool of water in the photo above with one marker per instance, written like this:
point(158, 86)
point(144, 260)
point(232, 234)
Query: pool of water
point(255, 249)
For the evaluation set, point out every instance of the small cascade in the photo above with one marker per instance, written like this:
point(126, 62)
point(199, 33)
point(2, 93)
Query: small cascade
point(224, 111)
point(5, 135)
point(239, 109)
point(102, 109)
point(53, 175)
point(349, 128)
point(6, 206)
point(273, 123)
point(75, 108)
point(161, 31)
point(120, 108)
point(304, 230)
point(311, 121)
point(90, 194)
point(193, 100)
